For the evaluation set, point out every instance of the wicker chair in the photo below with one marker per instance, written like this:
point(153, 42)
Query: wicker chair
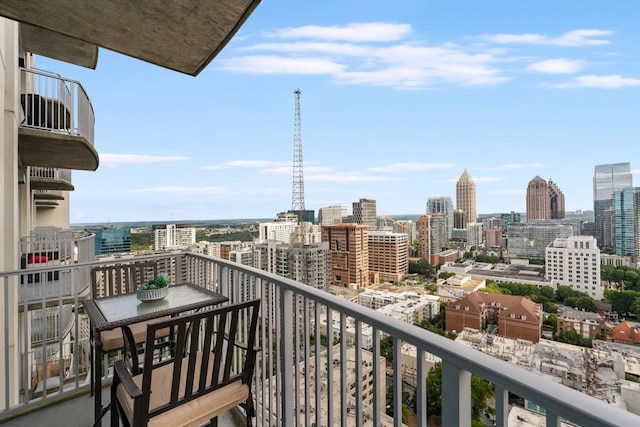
point(195, 382)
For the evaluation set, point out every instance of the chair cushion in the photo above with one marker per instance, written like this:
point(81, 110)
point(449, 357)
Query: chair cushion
point(194, 412)
point(112, 339)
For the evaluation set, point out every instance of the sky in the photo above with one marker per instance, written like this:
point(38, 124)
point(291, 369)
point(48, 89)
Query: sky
point(398, 98)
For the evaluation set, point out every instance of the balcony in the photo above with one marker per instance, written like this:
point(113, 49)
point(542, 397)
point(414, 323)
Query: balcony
point(47, 198)
point(298, 380)
point(57, 124)
point(50, 179)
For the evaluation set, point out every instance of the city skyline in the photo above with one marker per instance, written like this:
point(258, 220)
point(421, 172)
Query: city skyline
point(397, 100)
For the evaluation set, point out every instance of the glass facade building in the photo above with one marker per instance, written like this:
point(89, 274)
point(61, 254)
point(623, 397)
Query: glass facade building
point(443, 205)
point(608, 179)
point(112, 240)
point(626, 221)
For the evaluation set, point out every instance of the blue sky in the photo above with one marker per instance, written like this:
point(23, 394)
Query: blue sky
point(397, 99)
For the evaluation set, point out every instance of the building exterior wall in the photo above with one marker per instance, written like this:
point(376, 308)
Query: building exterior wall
point(493, 237)
point(168, 236)
point(474, 234)
point(556, 201)
point(466, 198)
point(443, 205)
point(530, 240)
point(575, 262)
point(364, 212)
point(389, 254)
point(431, 235)
point(538, 199)
point(332, 215)
point(348, 254)
point(587, 325)
point(281, 231)
point(626, 223)
point(608, 179)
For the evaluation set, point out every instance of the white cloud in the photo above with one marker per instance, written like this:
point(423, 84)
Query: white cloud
point(557, 66)
point(515, 166)
point(615, 81)
point(402, 64)
point(355, 32)
point(574, 38)
point(410, 167)
point(348, 177)
point(488, 179)
point(246, 164)
point(118, 159)
point(181, 190)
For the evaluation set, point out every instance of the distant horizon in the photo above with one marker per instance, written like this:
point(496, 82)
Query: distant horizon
point(257, 220)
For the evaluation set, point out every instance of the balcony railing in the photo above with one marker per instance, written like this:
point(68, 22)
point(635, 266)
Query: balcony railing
point(43, 178)
point(300, 378)
point(52, 103)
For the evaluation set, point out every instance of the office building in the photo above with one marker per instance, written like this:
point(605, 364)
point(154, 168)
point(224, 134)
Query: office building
point(474, 234)
point(575, 261)
point(364, 212)
point(530, 240)
point(626, 223)
point(348, 254)
point(432, 236)
point(510, 218)
point(388, 255)
point(607, 179)
point(172, 236)
point(112, 240)
point(545, 200)
point(442, 205)
point(332, 215)
point(466, 199)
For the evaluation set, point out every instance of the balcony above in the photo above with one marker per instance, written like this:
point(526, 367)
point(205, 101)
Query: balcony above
point(50, 179)
point(57, 126)
point(181, 36)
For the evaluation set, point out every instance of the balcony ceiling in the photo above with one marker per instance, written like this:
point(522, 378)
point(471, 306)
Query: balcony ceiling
point(50, 184)
point(182, 36)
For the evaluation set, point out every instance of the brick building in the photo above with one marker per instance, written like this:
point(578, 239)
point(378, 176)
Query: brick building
point(626, 333)
point(586, 324)
point(348, 254)
point(515, 317)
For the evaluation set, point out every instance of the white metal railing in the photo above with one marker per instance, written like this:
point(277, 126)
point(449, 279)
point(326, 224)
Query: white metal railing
point(53, 103)
point(300, 381)
point(41, 172)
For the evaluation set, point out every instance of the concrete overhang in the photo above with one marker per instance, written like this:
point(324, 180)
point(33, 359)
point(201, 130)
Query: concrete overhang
point(41, 197)
point(50, 184)
point(181, 36)
point(58, 46)
point(46, 148)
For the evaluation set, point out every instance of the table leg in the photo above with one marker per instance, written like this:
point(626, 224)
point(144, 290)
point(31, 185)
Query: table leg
point(97, 377)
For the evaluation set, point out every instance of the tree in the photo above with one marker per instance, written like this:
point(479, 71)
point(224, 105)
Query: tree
point(551, 321)
point(423, 267)
point(622, 301)
point(445, 275)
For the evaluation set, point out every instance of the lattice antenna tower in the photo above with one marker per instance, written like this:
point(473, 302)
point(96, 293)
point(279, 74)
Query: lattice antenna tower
point(297, 194)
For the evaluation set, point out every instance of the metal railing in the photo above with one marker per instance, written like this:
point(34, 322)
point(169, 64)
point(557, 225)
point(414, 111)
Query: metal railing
point(50, 102)
point(41, 172)
point(311, 370)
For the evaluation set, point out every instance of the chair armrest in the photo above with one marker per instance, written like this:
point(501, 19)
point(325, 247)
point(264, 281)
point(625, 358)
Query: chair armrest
point(241, 344)
point(122, 373)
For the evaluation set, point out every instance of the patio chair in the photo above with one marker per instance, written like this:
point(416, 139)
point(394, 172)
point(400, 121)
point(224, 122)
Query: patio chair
point(120, 279)
point(208, 372)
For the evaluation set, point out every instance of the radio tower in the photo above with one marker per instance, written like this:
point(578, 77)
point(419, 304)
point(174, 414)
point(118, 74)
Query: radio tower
point(297, 195)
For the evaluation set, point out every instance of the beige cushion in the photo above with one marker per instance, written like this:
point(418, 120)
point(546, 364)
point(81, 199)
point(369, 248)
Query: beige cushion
point(192, 413)
point(112, 339)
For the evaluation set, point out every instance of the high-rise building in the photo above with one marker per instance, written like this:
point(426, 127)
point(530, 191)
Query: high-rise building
point(364, 212)
point(443, 205)
point(545, 200)
point(388, 255)
point(575, 261)
point(112, 240)
point(474, 234)
point(348, 254)
point(466, 198)
point(530, 240)
point(607, 179)
point(432, 235)
point(626, 223)
point(171, 236)
point(510, 218)
point(332, 215)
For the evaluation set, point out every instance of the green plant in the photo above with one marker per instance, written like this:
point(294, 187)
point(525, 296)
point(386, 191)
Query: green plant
point(158, 282)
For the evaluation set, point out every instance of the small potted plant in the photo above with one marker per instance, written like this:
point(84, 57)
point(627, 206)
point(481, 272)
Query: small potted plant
point(154, 289)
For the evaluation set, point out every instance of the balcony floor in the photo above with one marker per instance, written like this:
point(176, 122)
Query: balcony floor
point(78, 411)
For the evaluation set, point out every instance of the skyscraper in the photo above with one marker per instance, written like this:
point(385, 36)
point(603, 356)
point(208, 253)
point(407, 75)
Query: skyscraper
point(364, 212)
point(348, 254)
point(626, 223)
point(606, 180)
point(545, 200)
point(443, 205)
point(466, 197)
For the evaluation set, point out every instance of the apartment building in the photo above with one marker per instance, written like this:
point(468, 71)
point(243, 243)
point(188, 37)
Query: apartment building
point(575, 262)
point(348, 254)
point(172, 236)
point(388, 255)
point(515, 317)
point(432, 236)
point(443, 205)
point(364, 212)
point(586, 324)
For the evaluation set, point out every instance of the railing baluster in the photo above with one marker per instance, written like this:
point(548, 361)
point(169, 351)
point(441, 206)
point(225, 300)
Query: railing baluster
point(397, 382)
point(358, 372)
point(343, 370)
point(502, 406)
point(456, 396)
point(379, 401)
point(421, 388)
